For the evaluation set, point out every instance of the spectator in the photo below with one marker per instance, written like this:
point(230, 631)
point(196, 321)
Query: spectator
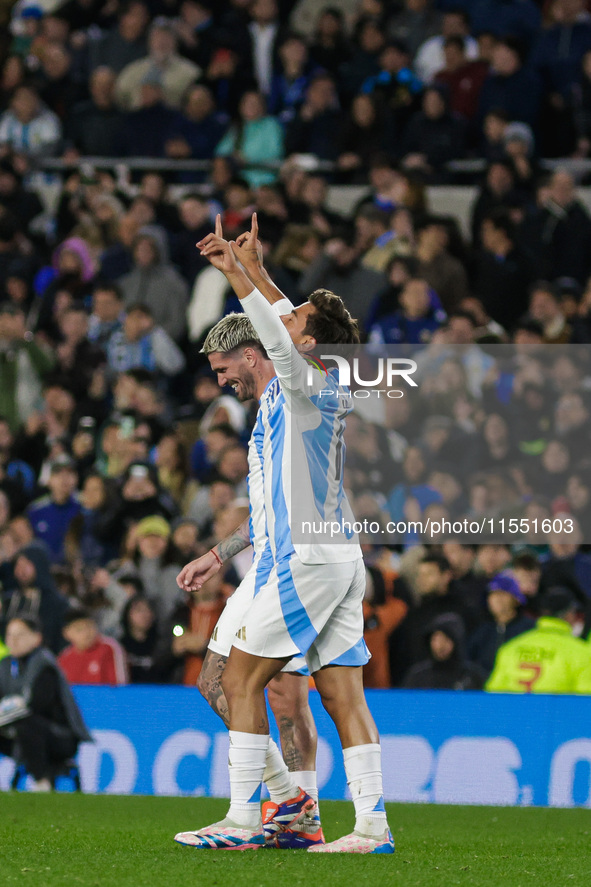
point(363, 63)
point(90, 658)
point(107, 313)
point(419, 316)
point(196, 133)
point(495, 193)
point(58, 88)
point(31, 591)
point(546, 659)
point(290, 82)
point(158, 575)
point(85, 532)
point(227, 79)
point(152, 275)
point(20, 203)
point(124, 43)
point(447, 667)
point(442, 271)
point(138, 496)
point(255, 139)
point(72, 274)
point(511, 85)
point(94, 126)
point(462, 76)
point(49, 726)
point(186, 633)
point(559, 231)
point(519, 18)
point(196, 223)
point(385, 606)
point(313, 128)
point(505, 602)
point(77, 358)
point(163, 61)
point(518, 143)
point(29, 128)
point(557, 56)
point(415, 24)
point(433, 136)
point(329, 48)
point(141, 343)
point(139, 638)
point(363, 135)
point(338, 269)
point(13, 468)
point(23, 365)
point(395, 86)
point(261, 40)
point(544, 306)
point(501, 270)
point(145, 129)
point(185, 543)
point(432, 57)
point(51, 515)
point(196, 31)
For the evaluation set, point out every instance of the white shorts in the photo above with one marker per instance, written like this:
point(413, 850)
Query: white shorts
point(315, 610)
point(224, 633)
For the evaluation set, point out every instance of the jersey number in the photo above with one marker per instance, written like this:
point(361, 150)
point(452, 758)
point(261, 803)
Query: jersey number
point(535, 670)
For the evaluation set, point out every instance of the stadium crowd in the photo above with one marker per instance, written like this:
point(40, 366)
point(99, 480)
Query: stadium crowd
point(121, 458)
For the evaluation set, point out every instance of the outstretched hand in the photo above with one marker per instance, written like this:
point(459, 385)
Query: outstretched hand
point(247, 247)
point(217, 250)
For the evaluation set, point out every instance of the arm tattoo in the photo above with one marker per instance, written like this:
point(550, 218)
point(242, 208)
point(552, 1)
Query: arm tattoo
point(235, 542)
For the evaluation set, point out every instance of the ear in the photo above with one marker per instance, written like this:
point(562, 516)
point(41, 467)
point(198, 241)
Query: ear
point(307, 344)
point(251, 356)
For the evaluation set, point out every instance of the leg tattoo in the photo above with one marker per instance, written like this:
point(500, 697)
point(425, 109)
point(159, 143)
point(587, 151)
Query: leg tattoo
point(210, 685)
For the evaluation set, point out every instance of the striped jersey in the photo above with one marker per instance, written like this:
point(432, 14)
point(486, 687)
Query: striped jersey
point(296, 455)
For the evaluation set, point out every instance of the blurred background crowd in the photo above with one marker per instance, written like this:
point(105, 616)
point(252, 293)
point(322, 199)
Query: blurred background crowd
point(124, 128)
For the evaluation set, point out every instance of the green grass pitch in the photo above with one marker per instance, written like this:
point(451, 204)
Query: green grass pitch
point(66, 839)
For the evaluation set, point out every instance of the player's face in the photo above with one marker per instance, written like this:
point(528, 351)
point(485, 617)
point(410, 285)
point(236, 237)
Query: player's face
point(296, 323)
point(234, 370)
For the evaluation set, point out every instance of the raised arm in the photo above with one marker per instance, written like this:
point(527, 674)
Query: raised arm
point(249, 252)
point(290, 367)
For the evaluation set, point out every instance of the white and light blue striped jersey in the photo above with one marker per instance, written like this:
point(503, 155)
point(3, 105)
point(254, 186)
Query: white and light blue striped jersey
point(296, 455)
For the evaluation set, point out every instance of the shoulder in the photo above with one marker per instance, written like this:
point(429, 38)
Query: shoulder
point(39, 505)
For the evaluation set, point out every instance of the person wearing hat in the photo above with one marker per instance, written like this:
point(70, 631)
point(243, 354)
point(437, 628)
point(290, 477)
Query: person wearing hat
point(546, 659)
point(154, 566)
point(504, 601)
point(30, 591)
point(52, 514)
point(446, 668)
point(40, 722)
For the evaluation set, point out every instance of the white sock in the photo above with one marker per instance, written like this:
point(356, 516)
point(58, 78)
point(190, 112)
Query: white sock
point(246, 763)
point(282, 784)
point(364, 777)
point(306, 779)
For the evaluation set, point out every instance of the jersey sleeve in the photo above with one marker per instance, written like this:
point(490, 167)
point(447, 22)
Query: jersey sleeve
point(283, 306)
point(290, 367)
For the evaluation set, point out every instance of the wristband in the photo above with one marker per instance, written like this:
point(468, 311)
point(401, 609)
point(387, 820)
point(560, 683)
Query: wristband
point(217, 557)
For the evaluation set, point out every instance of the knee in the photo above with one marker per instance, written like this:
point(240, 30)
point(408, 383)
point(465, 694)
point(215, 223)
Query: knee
point(232, 684)
point(203, 686)
point(288, 696)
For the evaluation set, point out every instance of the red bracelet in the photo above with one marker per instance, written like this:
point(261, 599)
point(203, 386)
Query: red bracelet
point(217, 557)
